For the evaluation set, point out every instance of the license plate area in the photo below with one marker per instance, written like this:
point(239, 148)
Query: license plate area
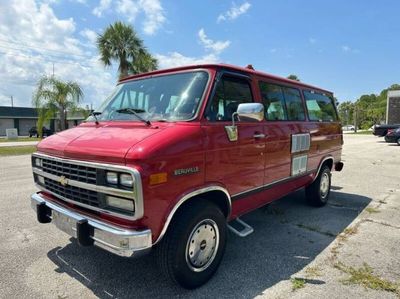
point(64, 223)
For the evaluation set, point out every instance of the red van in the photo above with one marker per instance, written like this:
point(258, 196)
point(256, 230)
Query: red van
point(174, 157)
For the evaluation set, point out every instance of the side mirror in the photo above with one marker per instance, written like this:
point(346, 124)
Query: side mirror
point(245, 111)
point(250, 111)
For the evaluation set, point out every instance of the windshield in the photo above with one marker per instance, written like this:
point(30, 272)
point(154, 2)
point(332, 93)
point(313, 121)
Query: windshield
point(164, 98)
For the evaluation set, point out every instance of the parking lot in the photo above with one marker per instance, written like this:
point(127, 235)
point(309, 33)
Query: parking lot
point(296, 251)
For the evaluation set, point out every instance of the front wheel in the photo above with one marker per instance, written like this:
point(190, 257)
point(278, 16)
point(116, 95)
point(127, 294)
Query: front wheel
point(318, 192)
point(194, 245)
point(398, 141)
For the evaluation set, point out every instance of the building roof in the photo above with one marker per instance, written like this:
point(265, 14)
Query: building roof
point(17, 112)
point(28, 112)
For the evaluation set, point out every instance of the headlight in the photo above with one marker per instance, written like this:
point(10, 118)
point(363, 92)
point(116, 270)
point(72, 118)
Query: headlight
point(126, 180)
point(120, 203)
point(112, 178)
point(38, 162)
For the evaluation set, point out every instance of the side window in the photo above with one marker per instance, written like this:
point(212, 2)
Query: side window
point(320, 107)
point(294, 104)
point(273, 100)
point(230, 92)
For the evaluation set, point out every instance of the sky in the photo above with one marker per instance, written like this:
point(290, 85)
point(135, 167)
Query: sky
point(348, 47)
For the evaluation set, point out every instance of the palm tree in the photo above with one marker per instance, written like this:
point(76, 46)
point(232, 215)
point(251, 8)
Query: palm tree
point(53, 95)
point(121, 43)
point(145, 62)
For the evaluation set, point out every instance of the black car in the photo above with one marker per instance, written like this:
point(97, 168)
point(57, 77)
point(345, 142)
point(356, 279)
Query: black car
point(381, 130)
point(393, 136)
point(33, 132)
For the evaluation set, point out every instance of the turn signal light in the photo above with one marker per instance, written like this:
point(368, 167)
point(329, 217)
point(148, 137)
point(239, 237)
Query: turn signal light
point(158, 178)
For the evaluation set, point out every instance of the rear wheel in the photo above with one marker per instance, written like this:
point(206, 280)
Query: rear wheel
point(194, 245)
point(318, 192)
point(398, 141)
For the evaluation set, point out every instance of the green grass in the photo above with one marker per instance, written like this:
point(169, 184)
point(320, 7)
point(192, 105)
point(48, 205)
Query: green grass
point(17, 150)
point(297, 283)
point(372, 210)
point(362, 133)
point(20, 139)
point(365, 276)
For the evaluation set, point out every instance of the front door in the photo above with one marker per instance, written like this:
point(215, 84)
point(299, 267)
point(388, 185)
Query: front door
point(239, 165)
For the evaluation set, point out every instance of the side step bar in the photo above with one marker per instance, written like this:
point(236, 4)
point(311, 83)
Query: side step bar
point(244, 229)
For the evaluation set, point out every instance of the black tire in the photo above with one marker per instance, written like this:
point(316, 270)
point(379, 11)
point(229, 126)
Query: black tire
point(318, 192)
point(183, 235)
point(398, 141)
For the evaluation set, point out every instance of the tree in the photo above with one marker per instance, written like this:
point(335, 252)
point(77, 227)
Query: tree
point(144, 63)
point(293, 77)
point(346, 110)
point(55, 96)
point(120, 43)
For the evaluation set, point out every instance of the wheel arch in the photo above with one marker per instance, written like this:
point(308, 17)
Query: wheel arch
point(325, 161)
point(216, 194)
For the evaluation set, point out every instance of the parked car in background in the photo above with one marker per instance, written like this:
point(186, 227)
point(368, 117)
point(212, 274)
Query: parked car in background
point(393, 136)
point(348, 128)
point(46, 132)
point(381, 130)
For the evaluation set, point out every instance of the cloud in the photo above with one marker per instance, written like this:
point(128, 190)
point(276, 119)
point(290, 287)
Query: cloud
point(154, 16)
point(234, 12)
point(128, 8)
point(347, 49)
point(40, 39)
point(90, 35)
point(209, 44)
point(154, 13)
point(312, 40)
point(101, 8)
point(174, 59)
point(214, 49)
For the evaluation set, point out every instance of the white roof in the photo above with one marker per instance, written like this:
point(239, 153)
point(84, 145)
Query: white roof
point(393, 93)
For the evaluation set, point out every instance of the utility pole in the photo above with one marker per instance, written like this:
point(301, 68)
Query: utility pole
point(53, 69)
point(12, 101)
point(355, 118)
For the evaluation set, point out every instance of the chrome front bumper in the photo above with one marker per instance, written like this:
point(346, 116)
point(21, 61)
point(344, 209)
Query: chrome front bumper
point(89, 231)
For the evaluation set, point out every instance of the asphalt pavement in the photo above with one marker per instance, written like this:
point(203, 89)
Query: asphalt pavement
point(292, 242)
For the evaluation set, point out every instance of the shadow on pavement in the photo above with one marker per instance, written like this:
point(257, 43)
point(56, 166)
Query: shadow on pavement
point(288, 236)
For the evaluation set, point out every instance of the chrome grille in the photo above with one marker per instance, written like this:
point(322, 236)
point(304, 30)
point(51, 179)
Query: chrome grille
point(74, 172)
point(84, 196)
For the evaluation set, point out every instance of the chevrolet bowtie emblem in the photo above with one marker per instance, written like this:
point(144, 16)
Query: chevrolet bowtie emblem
point(63, 181)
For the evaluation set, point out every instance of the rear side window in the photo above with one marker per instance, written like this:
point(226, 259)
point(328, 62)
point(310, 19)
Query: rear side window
point(229, 93)
point(294, 104)
point(281, 103)
point(320, 107)
point(273, 100)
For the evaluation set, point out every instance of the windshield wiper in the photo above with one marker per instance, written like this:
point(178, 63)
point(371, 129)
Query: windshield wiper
point(136, 113)
point(94, 114)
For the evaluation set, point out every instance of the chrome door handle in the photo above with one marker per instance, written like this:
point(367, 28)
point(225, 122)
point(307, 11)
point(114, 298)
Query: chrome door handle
point(259, 135)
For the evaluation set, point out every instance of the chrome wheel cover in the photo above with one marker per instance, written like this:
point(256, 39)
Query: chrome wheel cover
point(202, 245)
point(324, 184)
